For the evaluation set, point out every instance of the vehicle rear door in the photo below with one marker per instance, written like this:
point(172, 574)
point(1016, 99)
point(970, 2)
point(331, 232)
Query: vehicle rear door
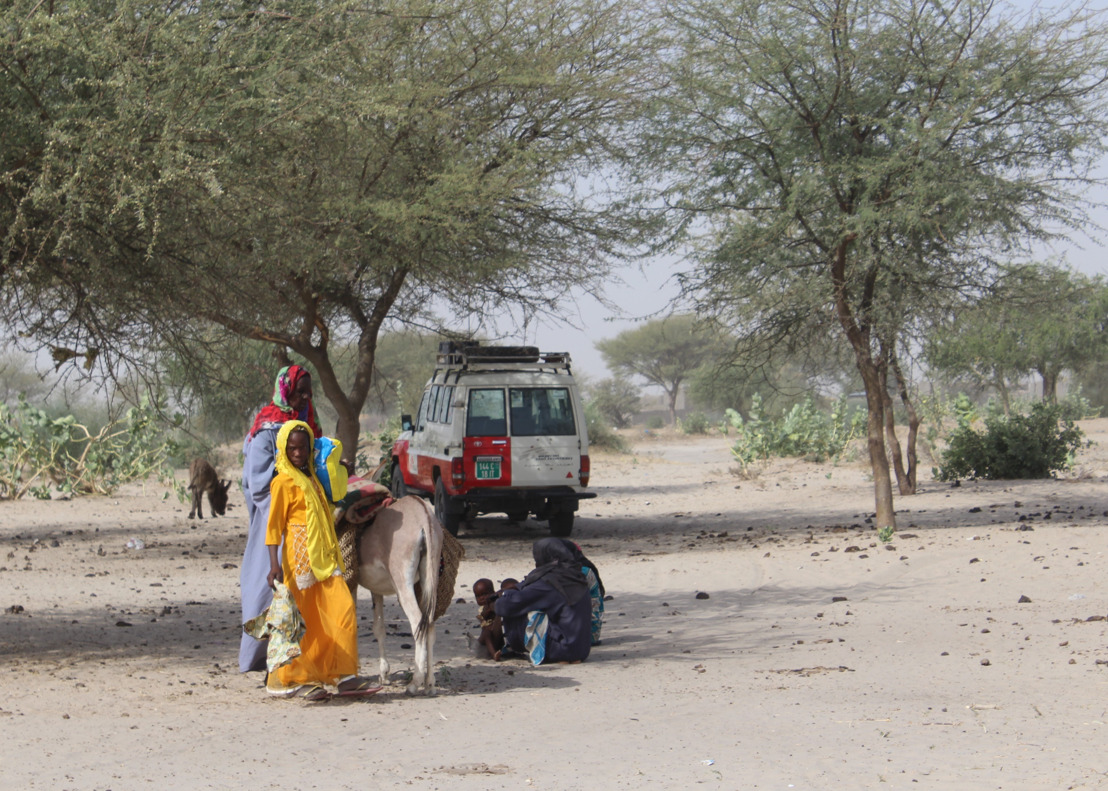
point(545, 444)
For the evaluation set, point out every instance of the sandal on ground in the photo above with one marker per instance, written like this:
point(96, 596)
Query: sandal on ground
point(313, 693)
point(357, 687)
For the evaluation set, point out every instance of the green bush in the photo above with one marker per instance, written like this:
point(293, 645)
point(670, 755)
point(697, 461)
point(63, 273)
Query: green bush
point(696, 423)
point(1075, 406)
point(655, 423)
point(601, 434)
point(803, 431)
point(40, 454)
point(376, 448)
point(1035, 445)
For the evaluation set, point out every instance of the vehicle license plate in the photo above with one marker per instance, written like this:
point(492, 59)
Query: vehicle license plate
point(487, 468)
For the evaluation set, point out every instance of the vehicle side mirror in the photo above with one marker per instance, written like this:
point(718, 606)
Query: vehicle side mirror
point(405, 422)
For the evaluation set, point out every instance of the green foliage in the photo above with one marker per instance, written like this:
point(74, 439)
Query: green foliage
point(696, 423)
point(1018, 446)
point(617, 399)
point(655, 422)
point(301, 175)
point(382, 443)
point(885, 534)
point(851, 169)
point(664, 352)
point(40, 454)
point(964, 410)
point(1075, 406)
point(1034, 319)
point(220, 380)
point(803, 431)
point(600, 431)
point(403, 363)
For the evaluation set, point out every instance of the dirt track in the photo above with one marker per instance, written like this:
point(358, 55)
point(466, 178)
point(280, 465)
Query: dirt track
point(119, 668)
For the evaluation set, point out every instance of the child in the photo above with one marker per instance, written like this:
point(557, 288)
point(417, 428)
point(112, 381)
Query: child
point(492, 633)
point(300, 518)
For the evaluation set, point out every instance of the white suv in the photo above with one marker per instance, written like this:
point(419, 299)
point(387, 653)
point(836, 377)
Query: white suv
point(500, 429)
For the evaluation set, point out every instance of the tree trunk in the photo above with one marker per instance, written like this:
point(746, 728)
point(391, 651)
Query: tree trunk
point(673, 404)
point(891, 440)
point(1050, 385)
point(348, 427)
point(913, 427)
point(875, 436)
point(1002, 391)
point(874, 386)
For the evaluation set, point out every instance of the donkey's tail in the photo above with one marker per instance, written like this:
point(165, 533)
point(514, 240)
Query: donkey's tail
point(429, 562)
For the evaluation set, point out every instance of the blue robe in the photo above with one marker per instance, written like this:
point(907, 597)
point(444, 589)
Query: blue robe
point(569, 626)
point(258, 468)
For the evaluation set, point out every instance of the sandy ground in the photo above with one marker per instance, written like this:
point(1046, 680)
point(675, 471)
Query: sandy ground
point(970, 653)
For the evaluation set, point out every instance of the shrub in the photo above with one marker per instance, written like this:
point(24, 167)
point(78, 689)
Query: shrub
point(1035, 445)
point(382, 442)
point(803, 431)
point(601, 434)
point(1075, 406)
point(696, 423)
point(655, 423)
point(40, 454)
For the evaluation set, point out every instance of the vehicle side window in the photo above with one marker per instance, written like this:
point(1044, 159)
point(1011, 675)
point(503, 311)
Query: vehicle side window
point(433, 404)
point(421, 418)
point(486, 414)
point(541, 412)
point(450, 407)
point(444, 405)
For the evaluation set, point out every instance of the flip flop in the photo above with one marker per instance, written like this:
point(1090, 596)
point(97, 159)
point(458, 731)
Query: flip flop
point(313, 693)
point(363, 689)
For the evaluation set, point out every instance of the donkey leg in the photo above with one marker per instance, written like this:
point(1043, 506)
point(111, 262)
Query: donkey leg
point(379, 633)
point(430, 660)
point(410, 604)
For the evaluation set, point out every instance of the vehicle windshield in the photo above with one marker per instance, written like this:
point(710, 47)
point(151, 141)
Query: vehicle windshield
point(541, 412)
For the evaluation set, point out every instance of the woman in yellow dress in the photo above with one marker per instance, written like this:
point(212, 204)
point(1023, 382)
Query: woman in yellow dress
point(312, 567)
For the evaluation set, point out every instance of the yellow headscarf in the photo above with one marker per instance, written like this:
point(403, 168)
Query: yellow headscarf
point(324, 555)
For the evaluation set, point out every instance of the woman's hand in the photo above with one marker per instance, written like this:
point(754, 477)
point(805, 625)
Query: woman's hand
point(276, 573)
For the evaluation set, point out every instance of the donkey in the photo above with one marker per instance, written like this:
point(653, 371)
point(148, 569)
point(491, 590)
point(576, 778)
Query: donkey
point(203, 478)
point(399, 555)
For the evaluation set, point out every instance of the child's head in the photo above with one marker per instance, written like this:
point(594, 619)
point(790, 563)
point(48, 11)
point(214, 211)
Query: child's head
point(509, 584)
point(482, 590)
point(299, 448)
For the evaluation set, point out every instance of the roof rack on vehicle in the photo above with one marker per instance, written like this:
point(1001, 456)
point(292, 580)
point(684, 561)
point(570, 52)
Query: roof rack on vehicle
point(467, 353)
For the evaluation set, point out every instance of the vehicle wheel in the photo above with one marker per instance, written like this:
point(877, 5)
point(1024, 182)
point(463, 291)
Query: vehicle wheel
point(450, 521)
point(517, 515)
point(561, 524)
point(396, 482)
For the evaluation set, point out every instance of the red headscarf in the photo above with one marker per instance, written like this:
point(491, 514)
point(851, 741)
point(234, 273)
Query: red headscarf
point(278, 411)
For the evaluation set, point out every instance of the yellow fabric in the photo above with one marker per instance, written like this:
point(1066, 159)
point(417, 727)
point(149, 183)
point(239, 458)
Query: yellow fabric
point(298, 506)
point(329, 648)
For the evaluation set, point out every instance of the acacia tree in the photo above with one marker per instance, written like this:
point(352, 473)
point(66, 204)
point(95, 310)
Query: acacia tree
point(1036, 319)
point(664, 352)
point(617, 399)
point(857, 163)
point(303, 173)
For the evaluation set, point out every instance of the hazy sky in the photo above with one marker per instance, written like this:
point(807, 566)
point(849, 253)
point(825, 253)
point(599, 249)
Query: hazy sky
point(653, 290)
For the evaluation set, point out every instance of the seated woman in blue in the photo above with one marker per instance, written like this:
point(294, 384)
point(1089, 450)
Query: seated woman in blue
point(549, 617)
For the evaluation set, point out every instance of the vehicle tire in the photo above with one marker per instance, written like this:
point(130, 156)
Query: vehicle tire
point(517, 515)
point(561, 524)
point(396, 482)
point(450, 521)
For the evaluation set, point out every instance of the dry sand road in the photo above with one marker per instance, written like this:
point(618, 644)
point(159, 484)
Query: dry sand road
point(821, 659)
